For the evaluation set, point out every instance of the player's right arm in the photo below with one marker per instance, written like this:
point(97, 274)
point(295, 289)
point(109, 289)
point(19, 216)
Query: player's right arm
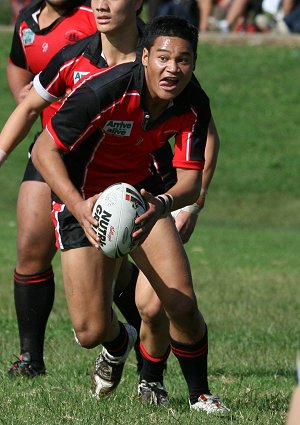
point(20, 122)
point(19, 81)
point(18, 74)
point(46, 157)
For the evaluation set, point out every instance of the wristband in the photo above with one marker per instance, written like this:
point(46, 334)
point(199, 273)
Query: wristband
point(3, 156)
point(193, 209)
point(167, 201)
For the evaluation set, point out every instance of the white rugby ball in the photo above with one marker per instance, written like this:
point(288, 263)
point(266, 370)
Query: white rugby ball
point(116, 210)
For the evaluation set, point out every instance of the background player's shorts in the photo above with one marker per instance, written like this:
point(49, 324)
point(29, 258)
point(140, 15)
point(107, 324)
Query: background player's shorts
point(31, 173)
point(68, 232)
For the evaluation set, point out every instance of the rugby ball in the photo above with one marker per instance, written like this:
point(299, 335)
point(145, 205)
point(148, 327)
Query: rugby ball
point(116, 210)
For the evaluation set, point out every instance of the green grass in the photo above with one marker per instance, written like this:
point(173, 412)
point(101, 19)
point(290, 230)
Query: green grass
point(244, 256)
point(5, 12)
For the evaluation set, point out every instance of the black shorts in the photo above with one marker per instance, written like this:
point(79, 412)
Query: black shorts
point(68, 232)
point(31, 173)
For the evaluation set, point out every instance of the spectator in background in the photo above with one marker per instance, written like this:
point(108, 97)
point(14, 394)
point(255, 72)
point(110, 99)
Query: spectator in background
point(238, 17)
point(205, 11)
point(279, 16)
point(187, 9)
point(291, 21)
point(16, 6)
point(213, 15)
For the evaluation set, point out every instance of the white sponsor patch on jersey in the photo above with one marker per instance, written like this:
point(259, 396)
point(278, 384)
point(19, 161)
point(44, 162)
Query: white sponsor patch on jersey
point(118, 128)
point(45, 47)
point(78, 75)
point(28, 37)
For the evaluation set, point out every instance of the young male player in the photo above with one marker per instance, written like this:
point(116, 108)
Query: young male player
point(117, 24)
point(158, 100)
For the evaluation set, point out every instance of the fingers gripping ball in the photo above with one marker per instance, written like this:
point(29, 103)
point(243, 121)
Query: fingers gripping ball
point(116, 210)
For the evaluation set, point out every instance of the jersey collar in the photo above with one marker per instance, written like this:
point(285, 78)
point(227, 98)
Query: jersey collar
point(93, 51)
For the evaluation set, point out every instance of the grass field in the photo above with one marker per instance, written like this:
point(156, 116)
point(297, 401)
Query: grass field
point(244, 256)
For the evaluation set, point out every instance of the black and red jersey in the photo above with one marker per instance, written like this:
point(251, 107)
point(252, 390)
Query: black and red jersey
point(32, 48)
point(108, 136)
point(70, 65)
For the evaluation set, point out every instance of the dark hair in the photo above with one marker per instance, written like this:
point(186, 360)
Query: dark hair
point(171, 26)
point(138, 12)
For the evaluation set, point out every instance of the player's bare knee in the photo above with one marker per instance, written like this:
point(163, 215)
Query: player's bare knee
point(33, 258)
point(152, 315)
point(89, 336)
point(87, 339)
point(184, 311)
point(30, 264)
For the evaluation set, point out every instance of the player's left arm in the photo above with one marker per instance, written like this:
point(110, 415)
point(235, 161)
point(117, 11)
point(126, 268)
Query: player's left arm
point(185, 191)
point(186, 218)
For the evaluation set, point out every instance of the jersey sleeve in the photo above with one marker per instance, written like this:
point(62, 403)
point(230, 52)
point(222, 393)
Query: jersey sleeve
point(74, 121)
point(54, 81)
point(163, 164)
point(189, 148)
point(17, 55)
point(50, 83)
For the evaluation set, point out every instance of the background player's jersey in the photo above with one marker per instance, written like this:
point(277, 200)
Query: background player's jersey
point(111, 136)
point(70, 65)
point(33, 48)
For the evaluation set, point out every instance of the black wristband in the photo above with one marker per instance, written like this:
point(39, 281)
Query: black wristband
point(167, 201)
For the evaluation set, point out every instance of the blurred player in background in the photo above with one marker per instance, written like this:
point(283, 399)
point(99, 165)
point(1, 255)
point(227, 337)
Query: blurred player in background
point(42, 28)
point(34, 301)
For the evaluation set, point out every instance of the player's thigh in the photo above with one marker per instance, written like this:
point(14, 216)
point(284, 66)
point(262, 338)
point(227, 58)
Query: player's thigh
point(147, 301)
point(88, 279)
point(163, 260)
point(35, 228)
point(124, 275)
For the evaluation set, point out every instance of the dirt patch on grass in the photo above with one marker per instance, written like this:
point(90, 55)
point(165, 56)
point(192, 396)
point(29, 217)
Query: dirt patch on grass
point(253, 39)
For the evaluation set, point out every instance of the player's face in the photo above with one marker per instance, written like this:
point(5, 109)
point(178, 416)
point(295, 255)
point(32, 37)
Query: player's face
point(114, 15)
point(168, 67)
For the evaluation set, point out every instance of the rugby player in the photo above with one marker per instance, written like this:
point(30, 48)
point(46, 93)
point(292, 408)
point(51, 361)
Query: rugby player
point(41, 30)
point(163, 102)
